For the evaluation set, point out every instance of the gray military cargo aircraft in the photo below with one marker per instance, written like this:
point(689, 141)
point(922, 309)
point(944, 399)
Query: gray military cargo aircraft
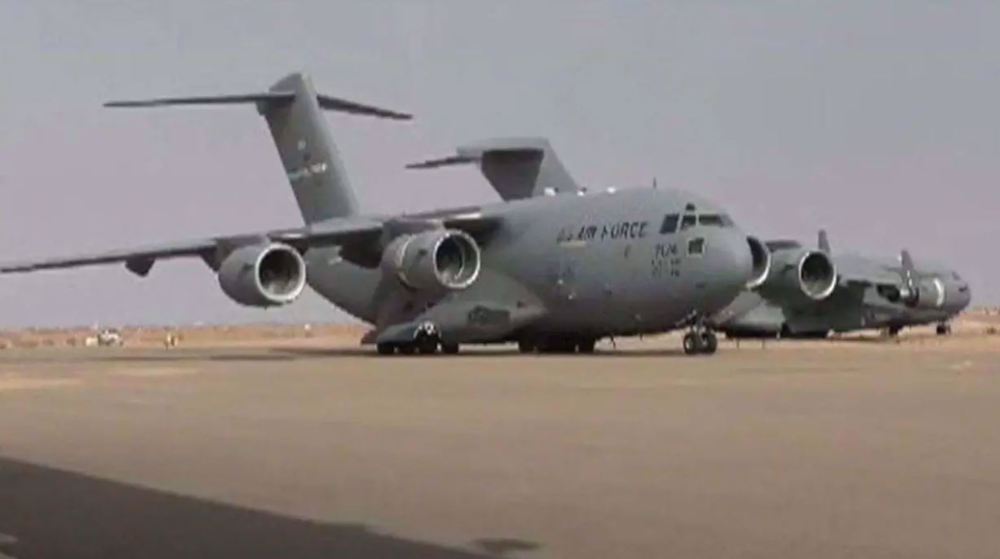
point(553, 268)
point(864, 293)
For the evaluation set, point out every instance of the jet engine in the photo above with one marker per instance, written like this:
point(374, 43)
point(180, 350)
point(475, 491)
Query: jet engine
point(810, 273)
point(433, 260)
point(760, 256)
point(263, 276)
point(926, 293)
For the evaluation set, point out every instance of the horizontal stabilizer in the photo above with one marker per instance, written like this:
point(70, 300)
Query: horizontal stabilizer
point(345, 106)
point(443, 162)
point(515, 167)
point(265, 101)
point(266, 97)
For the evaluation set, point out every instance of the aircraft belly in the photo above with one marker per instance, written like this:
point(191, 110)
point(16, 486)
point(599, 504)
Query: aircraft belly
point(346, 285)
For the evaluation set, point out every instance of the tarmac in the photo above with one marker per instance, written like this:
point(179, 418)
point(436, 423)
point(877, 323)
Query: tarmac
point(845, 448)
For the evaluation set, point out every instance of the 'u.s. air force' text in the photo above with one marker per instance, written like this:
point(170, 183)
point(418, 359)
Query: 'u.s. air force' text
point(603, 232)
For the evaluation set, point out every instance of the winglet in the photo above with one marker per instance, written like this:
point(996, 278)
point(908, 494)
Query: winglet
point(824, 242)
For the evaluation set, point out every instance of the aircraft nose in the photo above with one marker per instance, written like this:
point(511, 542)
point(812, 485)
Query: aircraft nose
point(736, 262)
point(964, 296)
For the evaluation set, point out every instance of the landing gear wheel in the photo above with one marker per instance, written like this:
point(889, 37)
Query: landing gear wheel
point(692, 343)
point(586, 345)
point(525, 346)
point(427, 345)
point(558, 345)
point(709, 343)
point(385, 348)
point(943, 329)
point(449, 349)
point(407, 349)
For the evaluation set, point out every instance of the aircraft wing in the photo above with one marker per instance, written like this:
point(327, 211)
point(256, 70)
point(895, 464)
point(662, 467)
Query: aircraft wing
point(139, 260)
point(359, 236)
point(861, 271)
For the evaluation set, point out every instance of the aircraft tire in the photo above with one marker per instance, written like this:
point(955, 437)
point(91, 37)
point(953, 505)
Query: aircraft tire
point(525, 346)
point(709, 343)
point(449, 349)
point(943, 329)
point(557, 345)
point(407, 349)
point(692, 343)
point(427, 345)
point(586, 345)
point(385, 348)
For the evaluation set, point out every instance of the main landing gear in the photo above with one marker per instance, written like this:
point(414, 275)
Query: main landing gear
point(700, 341)
point(426, 342)
point(419, 347)
point(943, 329)
point(557, 345)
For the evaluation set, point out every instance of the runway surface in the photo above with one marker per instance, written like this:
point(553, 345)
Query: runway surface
point(813, 450)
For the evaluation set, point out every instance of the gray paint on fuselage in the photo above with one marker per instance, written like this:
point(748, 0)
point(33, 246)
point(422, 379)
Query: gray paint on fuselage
point(599, 282)
point(848, 308)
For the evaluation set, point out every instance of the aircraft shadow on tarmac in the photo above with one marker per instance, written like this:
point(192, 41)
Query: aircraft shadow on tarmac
point(321, 353)
point(46, 512)
point(290, 354)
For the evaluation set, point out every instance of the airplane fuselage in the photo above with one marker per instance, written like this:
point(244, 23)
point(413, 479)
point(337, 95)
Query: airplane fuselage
point(593, 265)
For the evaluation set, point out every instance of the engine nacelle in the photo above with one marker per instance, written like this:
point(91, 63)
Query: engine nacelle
point(926, 293)
point(442, 259)
point(760, 256)
point(803, 272)
point(263, 275)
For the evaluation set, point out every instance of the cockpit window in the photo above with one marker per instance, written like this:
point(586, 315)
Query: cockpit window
point(715, 220)
point(669, 224)
point(688, 222)
point(696, 247)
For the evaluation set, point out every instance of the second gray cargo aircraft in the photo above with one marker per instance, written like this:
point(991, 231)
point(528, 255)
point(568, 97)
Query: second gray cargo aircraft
point(554, 269)
point(862, 293)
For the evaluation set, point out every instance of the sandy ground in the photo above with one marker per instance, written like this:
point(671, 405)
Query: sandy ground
point(311, 447)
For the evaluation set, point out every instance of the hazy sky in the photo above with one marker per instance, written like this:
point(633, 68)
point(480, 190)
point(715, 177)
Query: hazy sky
point(877, 120)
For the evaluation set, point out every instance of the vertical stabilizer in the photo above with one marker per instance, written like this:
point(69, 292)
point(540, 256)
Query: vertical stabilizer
point(308, 154)
point(294, 113)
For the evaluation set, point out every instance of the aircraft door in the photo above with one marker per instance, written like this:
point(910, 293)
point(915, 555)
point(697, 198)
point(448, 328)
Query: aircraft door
point(567, 267)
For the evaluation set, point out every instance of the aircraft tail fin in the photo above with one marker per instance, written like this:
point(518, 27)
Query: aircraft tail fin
point(824, 242)
point(906, 260)
point(515, 167)
point(294, 114)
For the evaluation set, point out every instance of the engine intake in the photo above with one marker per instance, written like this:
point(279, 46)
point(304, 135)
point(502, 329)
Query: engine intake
point(433, 260)
point(806, 272)
point(761, 257)
point(263, 276)
point(927, 293)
